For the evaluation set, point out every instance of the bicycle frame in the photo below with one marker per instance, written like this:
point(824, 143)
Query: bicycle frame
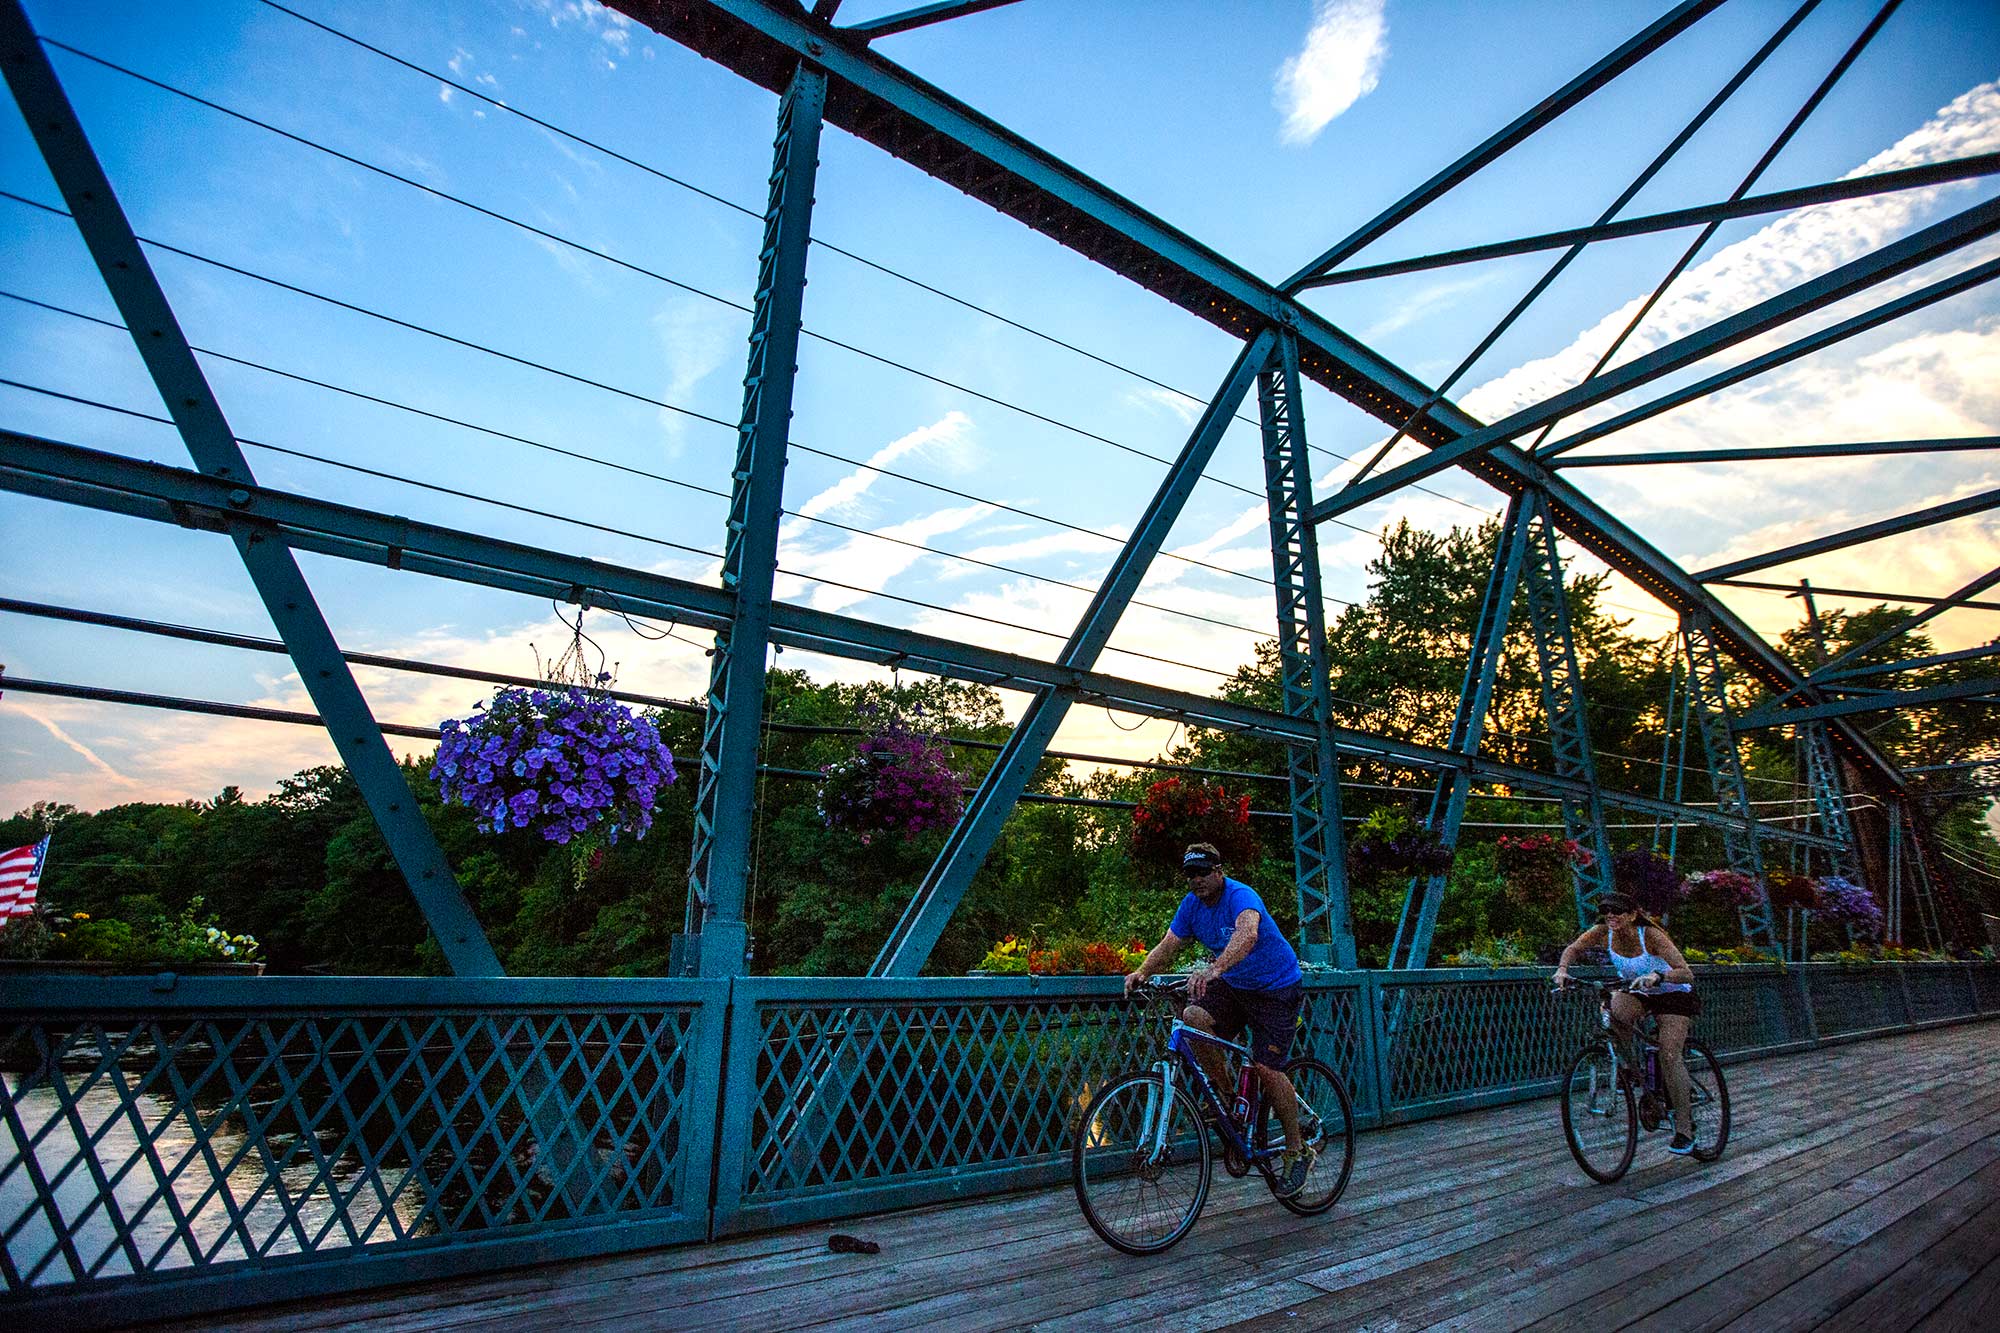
point(1180, 1055)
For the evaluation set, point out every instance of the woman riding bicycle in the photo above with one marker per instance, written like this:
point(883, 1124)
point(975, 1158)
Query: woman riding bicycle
point(1661, 984)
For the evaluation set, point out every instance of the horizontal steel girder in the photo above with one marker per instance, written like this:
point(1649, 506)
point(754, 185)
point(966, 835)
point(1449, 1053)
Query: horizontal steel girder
point(1869, 703)
point(115, 484)
point(1849, 279)
point(1775, 452)
point(1867, 532)
point(1778, 201)
point(877, 100)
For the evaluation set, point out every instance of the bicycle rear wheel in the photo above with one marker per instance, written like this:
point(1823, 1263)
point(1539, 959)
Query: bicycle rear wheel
point(1599, 1117)
point(1141, 1178)
point(1327, 1117)
point(1708, 1099)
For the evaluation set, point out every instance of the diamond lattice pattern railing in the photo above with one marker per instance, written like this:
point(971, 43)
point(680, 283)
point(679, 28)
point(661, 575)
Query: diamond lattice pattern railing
point(159, 1143)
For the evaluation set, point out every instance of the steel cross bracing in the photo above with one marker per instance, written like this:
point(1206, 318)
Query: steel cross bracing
point(1829, 799)
point(92, 479)
point(1318, 839)
point(1412, 943)
point(1563, 703)
point(879, 101)
point(909, 945)
point(724, 813)
point(1708, 702)
point(272, 567)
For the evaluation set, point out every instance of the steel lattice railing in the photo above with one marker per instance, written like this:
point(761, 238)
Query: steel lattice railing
point(172, 1146)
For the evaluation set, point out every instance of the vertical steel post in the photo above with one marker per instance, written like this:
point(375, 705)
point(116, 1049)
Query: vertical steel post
point(1326, 932)
point(923, 921)
point(719, 868)
point(1829, 798)
point(1892, 928)
point(273, 569)
point(1412, 944)
point(1562, 701)
point(1709, 701)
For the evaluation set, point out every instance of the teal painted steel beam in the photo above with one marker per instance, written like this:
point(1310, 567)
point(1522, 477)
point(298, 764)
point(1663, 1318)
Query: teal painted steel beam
point(1319, 842)
point(1867, 532)
point(1648, 40)
point(1768, 453)
point(1411, 944)
point(273, 569)
point(920, 17)
point(1777, 201)
point(1708, 703)
point(1887, 700)
point(1913, 598)
point(1933, 242)
point(1941, 290)
point(1829, 800)
point(1625, 196)
point(719, 867)
point(912, 120)
point(1564, 706)
point(910, 943)
point(113, 483)
point(1908, 664)
point(1908, 623)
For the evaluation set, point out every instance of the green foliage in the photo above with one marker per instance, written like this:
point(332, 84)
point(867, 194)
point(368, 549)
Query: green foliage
point(306, 873)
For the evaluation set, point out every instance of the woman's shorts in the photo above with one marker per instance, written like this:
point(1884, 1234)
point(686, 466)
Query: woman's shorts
point(1683, 1002)
point(1271, 1015)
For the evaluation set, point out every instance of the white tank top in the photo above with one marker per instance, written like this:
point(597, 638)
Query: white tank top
point(1632, 967)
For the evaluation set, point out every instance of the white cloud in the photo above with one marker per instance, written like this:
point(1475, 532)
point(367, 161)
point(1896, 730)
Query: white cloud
point(1176, 405)
point(949, 432)
point(697, 338)
point(864, 563)
point(1340, 63)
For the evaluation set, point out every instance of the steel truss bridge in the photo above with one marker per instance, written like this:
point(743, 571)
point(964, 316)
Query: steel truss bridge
point(410, 1107)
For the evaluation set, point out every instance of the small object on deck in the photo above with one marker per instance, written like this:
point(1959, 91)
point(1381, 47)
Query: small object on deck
point(840, 1243)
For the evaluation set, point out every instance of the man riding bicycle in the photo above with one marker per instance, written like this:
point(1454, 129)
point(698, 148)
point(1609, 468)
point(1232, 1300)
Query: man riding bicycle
point(1254, 982)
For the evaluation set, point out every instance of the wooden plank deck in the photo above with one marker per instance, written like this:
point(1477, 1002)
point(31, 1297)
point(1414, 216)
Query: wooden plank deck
point(1861, 1190)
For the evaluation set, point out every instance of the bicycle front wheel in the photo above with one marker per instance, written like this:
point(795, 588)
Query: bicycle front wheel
point(1599, 1117)
point(1708, 1100)
point(1141, 1163)
point(1326, 1118)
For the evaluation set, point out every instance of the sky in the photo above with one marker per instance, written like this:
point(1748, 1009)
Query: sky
point(1266, 129)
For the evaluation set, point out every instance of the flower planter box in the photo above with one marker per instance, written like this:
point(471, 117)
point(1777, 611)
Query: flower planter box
point(98, 968)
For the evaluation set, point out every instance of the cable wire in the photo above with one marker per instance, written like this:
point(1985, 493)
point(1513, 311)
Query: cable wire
point(817, 242)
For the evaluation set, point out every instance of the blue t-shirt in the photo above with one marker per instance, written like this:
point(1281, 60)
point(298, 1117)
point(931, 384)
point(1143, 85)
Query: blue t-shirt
point(1270, 964)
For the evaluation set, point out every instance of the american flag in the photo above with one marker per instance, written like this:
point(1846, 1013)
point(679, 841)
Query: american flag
point(20, 878)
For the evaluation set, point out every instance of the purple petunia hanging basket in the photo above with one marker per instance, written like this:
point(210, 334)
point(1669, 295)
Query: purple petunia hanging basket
point(569, 762)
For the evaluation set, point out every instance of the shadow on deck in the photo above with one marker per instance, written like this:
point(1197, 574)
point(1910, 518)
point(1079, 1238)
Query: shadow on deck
point(1861, 1190)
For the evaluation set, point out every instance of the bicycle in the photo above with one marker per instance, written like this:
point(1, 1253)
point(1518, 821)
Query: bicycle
point(1604, 1104)
point(1143, 1155)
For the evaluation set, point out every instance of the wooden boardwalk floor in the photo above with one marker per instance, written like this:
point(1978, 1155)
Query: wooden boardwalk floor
point(1860, 1190)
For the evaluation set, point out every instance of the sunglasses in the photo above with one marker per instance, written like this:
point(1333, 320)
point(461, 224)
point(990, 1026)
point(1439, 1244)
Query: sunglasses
point(1196, 872)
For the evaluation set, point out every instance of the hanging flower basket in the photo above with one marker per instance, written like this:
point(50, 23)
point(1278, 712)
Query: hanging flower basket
point(1723, 888)
point(1790, 890)
point(1175, 812)
point(1393, 842)
point(1650, 879)
point(1848, 903)
point(900, 782)
point(1538, 863)
point(569, 762)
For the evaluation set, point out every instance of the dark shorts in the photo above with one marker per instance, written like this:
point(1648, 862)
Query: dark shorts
point(1683, 1002)
point(1271, 1015)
